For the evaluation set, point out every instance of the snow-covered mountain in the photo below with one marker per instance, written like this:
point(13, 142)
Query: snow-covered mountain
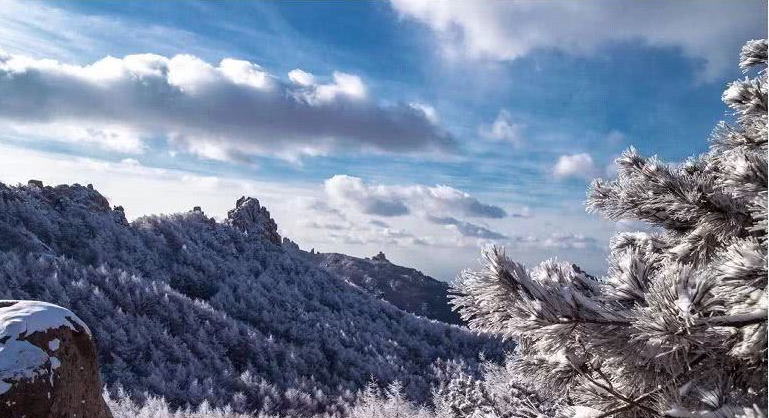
point(404, 287)
point(192, 309)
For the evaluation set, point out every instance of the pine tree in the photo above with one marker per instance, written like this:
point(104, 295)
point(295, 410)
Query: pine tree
point(678, 325)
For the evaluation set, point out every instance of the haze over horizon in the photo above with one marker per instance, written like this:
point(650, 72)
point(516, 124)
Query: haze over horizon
point(421, 130)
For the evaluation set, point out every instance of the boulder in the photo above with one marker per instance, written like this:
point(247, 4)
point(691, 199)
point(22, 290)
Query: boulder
point(48, 366)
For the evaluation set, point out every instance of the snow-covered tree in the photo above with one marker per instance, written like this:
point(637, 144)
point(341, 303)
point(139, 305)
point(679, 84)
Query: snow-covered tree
point(678, 325)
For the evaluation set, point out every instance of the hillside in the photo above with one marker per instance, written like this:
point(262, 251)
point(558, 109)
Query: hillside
point(407, 288)
point(192, 309)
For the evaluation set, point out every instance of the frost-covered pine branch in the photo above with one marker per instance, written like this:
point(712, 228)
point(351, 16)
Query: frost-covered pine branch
point(678, 325)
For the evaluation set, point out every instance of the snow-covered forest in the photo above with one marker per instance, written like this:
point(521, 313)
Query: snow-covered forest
point(194, 316)
point(191, 310)
point(404, 287)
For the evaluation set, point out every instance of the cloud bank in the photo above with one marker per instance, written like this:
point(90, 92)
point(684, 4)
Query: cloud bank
point(384, 200)
point(227, 111)
point(506, 30)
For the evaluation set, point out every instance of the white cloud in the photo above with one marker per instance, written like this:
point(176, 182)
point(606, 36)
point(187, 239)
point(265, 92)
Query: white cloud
point(300, 77)
point(246, 73)
point(228, 111)
point(396, 200)
point(372, 200)
point(466, 229)
point(430, 113)
point(505, 30)
point(568, 241)
point(345, 85)
point(503, 129)
point(111, 137)
point(575, 166)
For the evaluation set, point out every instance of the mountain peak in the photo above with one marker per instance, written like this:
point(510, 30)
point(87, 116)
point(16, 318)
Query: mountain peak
point(380, 257)
point(250, 217)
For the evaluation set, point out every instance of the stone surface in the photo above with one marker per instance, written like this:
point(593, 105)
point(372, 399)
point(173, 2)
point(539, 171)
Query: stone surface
point(252, 218)
point(48, 366)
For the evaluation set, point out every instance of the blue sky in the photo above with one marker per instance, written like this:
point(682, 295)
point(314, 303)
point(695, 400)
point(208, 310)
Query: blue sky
point(422, 129)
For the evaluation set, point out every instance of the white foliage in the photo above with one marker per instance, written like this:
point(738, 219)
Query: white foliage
point(684, 307)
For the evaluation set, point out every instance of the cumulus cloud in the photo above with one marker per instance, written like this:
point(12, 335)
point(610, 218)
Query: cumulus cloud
point(503, 129)
point(575, 166)
point(395, 200)
point(301, 77)
point(707, 30)
point(372, 200)
point(467, 229)
point(226, 111)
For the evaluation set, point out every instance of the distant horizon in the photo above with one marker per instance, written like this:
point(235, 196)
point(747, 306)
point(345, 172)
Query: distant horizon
point(425, 131)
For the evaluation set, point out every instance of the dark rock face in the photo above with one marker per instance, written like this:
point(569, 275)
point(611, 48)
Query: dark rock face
point(48, 366)
point(252, 218)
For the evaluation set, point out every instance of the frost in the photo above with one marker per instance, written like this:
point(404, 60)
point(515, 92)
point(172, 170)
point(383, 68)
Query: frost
point(196, 310)
point(53, 345)
point(678, 325)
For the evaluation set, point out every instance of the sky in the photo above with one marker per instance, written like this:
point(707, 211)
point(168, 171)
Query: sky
point(423, 129)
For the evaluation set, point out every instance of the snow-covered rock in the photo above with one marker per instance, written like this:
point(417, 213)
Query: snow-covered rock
point(48, 366)
point(250, 217)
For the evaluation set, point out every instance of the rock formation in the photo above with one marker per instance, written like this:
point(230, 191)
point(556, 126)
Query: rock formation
point(252, 218)
point(48, 366)
point(380, 257)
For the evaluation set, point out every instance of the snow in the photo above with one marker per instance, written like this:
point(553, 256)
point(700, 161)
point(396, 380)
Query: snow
point(19, 359)
point(19, 317)
point(53, 345)
point(585, 412)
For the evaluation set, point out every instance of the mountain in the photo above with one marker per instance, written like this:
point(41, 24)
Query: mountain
point(404, 287)
point(191, 309)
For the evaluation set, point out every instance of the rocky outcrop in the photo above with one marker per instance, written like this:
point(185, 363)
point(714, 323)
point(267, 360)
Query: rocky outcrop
point(380, 257)
point(289, 245)
point(252, 218)
point(48, 366)
point(406, 288)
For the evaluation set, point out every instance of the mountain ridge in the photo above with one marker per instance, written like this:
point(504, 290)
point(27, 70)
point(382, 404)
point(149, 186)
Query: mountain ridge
point(194, 310)
point(407, 288)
